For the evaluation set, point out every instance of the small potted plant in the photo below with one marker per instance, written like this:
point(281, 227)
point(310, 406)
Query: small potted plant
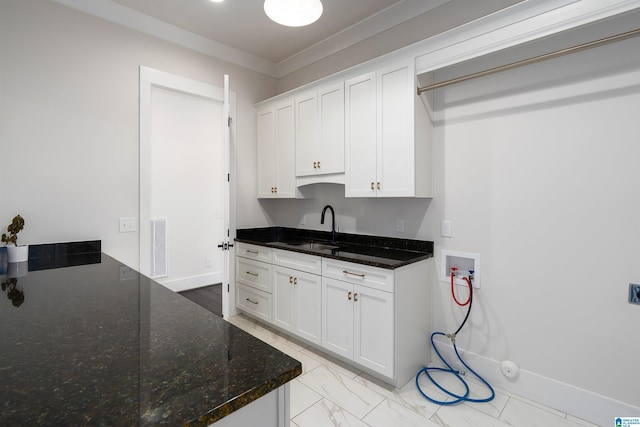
point(15, 253)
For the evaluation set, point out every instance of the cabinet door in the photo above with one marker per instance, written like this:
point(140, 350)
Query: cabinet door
point(331, 145)
point(285, 153)
point(337, 317)
point(373, 329)
point(360, 136)
point(308, 300)
point(283, 298)
point(395, 139)
point(266, 151)
point(307, 134)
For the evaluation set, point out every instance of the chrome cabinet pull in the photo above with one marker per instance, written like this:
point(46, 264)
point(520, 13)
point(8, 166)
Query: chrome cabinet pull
point(290, 279)
point(253, 274)
point(252, 302)
point(372, 185)
point(315, 165)
point(249, 251)
point(318, 165)
point(349, 296)
point(353, 274)
point(355, 297)
point(295, 280)
point(378, 185)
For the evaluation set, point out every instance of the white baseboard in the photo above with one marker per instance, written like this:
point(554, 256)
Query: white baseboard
point(580, 403)
point(192, 282)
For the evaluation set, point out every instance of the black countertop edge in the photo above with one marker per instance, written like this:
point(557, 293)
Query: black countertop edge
point(383, 252)
point(241, 401)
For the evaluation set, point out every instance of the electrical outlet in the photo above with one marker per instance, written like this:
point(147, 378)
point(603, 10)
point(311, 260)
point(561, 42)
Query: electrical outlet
point(400, 225)
point(208, 263)
point(634, 294)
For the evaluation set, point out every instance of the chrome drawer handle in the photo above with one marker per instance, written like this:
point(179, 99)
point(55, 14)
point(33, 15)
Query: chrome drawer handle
point(353, 274)
point(252, 302)
point(252, 252)
point(253, 274)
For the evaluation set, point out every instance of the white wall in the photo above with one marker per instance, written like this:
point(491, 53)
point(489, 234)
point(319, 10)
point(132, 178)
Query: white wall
point(69, 122)
point(537, 170)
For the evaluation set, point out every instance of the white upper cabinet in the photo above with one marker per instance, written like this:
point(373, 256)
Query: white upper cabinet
point(320, 130)
point(360, 136)
point(388, 135)
point(276, 150)
point(372, 133)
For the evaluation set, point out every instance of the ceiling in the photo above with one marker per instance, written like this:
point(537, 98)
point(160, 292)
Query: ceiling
point(243, 25)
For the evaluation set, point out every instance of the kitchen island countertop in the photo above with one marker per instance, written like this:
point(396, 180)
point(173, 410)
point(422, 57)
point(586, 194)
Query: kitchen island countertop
point(99, 344)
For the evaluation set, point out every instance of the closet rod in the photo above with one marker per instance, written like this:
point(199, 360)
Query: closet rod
point(533, 60)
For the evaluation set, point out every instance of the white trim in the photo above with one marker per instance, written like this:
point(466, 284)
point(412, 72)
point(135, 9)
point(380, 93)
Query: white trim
point(192, 282)
point(581, 403)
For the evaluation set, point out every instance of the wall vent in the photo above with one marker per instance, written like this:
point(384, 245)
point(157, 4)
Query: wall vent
point(159, 251)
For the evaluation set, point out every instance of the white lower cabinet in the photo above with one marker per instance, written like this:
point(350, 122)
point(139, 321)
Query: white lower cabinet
point(378, 319)
point(296, 302)
point(357, 323)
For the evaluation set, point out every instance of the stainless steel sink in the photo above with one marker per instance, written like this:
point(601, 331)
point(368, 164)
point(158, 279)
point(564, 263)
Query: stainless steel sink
point(315, 246)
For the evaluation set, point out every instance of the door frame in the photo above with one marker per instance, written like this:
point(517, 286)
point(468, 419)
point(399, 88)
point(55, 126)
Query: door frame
point(150, 78)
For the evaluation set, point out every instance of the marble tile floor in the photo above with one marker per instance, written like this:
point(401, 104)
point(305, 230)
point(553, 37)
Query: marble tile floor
point(331, 393)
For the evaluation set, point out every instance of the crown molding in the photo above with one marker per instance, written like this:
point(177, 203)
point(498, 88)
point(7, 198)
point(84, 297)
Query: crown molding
point(382, 21)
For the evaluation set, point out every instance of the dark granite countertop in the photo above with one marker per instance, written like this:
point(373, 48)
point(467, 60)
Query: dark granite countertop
point(99, 344)
point(384, 252)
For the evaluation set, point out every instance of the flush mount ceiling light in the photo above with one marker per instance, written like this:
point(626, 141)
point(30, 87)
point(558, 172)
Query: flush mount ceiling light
point(293, 13)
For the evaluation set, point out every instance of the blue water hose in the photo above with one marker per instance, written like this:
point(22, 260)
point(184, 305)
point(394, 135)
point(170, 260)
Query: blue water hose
point(457, 397)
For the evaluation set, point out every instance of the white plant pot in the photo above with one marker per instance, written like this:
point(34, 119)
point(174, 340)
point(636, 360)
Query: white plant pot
point(18, 253)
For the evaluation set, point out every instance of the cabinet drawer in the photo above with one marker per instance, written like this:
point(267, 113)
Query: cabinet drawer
point(253, 301)
point(359, 274)
point(254, 273)
point(259, 253)
point(298, 261)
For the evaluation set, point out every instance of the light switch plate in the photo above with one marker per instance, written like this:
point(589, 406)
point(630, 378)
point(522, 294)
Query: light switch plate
point(127, 225)
point(445, 228)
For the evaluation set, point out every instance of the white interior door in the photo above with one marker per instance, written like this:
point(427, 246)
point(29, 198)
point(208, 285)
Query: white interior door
point(185, 161)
